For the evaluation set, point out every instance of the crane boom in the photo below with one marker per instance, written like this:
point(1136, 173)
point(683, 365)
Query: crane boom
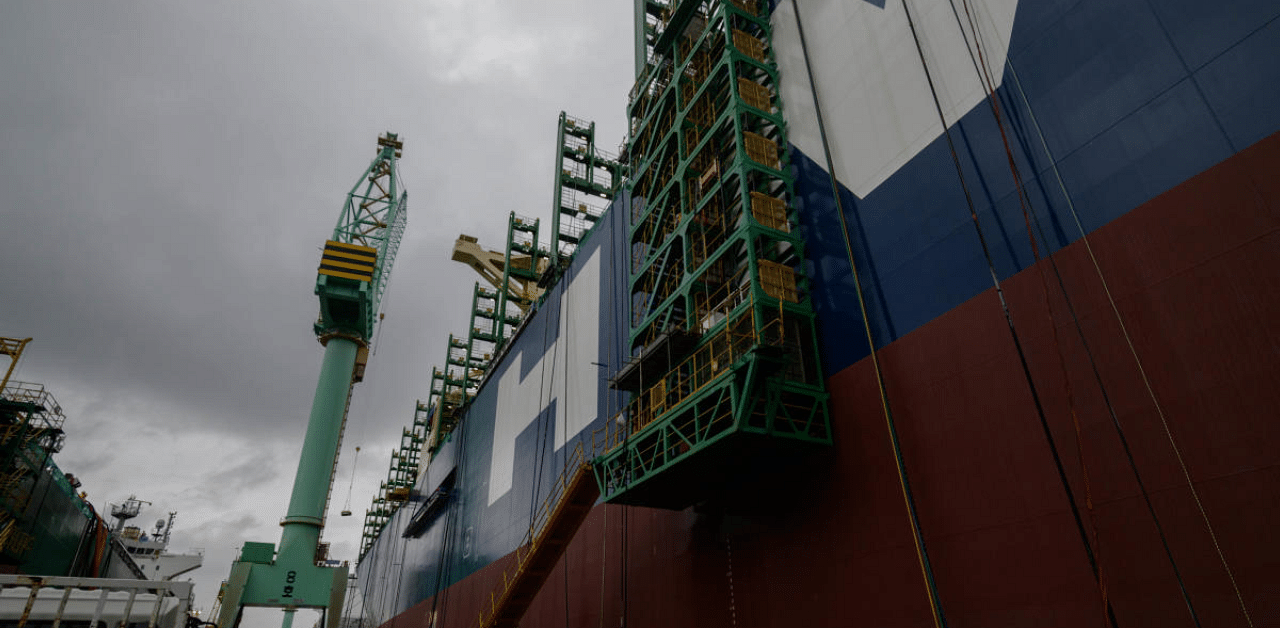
point(356, 264)
point(350, 282)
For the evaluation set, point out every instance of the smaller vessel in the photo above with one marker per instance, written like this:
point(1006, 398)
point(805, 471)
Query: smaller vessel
point(150, 551)
point(151, 598)
point(60, 563)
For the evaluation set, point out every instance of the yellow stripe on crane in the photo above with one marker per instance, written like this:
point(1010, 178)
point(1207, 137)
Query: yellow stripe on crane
point(342, 255)
point(335, 273)
point(351, 248)
point(348, 261)
point(361, 267)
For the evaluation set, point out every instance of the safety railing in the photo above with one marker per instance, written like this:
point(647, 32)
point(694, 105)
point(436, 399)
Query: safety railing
point(573, 461)
point(745, 330)
point(34, 394)
point(576, 463)
point(53, 601)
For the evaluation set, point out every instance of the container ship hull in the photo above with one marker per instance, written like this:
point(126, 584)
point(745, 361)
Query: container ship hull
point(1119, 183)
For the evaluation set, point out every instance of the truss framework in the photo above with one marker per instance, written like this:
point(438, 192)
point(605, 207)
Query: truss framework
point(714, 261)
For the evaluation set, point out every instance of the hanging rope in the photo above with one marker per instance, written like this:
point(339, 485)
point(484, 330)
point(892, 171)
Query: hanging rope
point(566, 313)
point(985, 76)
point(350, 598)
point(1115, 309)
point(544, 389)
point(449, 536)
point(995, 280)
point(988, 82)
point(922, 554)
point(617, 318)
point(346, 508)
point(604, 555)
point(624, 568)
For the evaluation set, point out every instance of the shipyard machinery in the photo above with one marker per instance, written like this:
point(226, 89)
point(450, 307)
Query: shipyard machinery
point(353, 274)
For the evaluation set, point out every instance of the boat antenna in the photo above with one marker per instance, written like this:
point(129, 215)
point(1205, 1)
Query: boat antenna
point(346, 508)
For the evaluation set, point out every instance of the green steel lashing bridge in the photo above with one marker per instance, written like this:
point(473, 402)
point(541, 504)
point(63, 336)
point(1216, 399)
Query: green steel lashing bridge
point(724, 367)
point(354, 270)
point(724, 364)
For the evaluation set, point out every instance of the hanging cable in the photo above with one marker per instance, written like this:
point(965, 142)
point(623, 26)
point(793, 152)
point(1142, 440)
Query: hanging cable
point(617, 319)
point(395, 602)
point(449, 536)
point(346, 507)
point(1106, 288)
point(988, 82)
point(980, 65)
point(922, 554)
point(350, 598)
point(1026, 370)
point(566, 587)
point(543, 387)
point(625, 570)
point(604, 555)
point(563, 333)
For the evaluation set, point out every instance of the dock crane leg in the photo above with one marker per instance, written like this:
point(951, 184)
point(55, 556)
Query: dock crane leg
point(293, 580)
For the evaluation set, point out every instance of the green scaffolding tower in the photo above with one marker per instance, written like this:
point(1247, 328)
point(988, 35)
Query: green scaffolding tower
point(584, 184)
point(725, 370)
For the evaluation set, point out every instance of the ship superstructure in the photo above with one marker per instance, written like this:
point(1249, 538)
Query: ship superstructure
point(151, 551)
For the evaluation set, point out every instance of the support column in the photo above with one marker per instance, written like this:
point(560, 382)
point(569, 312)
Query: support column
point(305, 515)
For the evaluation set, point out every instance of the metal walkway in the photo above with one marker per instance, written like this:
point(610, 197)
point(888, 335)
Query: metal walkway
point(557, 520)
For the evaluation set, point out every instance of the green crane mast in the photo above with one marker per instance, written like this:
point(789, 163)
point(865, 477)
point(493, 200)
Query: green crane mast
point(351, 280)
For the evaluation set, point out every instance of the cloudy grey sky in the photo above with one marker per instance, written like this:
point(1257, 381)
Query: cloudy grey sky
point(168, 173)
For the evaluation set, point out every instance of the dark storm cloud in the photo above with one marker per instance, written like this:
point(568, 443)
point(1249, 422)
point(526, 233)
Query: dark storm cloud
point(168, 171)
point(153, 242)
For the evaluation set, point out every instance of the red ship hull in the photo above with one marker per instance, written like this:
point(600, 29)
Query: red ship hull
point(1195, 277)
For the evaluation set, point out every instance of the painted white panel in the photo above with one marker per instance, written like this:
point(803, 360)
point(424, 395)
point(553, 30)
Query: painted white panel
point(517, 407)
point(521, 401)
point(876, 103)
point(580, 329)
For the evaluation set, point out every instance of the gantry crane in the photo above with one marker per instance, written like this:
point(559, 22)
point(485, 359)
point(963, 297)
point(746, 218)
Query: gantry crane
point(353, 274)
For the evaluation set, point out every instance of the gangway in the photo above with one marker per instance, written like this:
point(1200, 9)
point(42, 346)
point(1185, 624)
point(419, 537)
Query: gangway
point(552, 527)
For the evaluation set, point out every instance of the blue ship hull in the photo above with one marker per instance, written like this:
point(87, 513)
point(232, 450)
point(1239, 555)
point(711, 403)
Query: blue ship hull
point(1136, 240)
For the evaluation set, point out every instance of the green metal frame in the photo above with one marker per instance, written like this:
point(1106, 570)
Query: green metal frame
point(373, 216)
point(402, 475)
point(524, 260)
point(31, 431)
point(586, 178)
point(711, 235)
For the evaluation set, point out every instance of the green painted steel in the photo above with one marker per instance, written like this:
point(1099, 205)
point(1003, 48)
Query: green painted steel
point(252, 552)
point(42, 519)
point(293, 579)
point(305, 516)
point(585, 180)
point(55, 519)
point(402, 475)
point(522, 240)
point(715, 260)
point(374, 216)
